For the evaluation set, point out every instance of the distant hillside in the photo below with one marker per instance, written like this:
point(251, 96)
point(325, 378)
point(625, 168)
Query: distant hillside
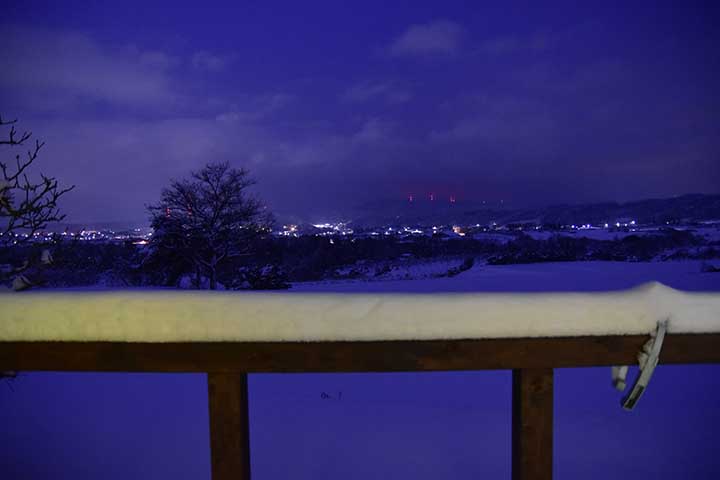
point(686, 208)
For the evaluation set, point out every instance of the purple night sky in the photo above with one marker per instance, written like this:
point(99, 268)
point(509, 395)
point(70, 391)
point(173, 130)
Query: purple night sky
point(332, 107)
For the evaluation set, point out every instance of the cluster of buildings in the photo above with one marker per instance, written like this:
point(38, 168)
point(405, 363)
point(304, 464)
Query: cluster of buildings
point(341, 229)
point(141, 236)
point(317, 229)
point(138, 236)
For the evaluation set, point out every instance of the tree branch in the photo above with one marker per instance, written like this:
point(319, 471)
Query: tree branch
point(24, 204)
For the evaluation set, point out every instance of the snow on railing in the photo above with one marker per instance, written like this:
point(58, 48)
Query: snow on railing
point(194, 316)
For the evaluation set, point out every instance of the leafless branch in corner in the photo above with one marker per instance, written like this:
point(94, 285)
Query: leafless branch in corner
point(25, 205)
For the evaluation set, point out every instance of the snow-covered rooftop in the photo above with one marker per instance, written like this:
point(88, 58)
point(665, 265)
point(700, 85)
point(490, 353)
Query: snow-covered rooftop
point(194, 316)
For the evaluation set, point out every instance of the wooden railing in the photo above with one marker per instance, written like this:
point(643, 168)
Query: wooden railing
point(228, 364)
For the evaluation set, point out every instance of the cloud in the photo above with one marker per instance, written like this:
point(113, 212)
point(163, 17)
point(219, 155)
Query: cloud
point(254, 108)
point(516, 122)
point(121, 165)
point(160, 60)
point(48, 69)
point(514, 44)
point(365, 91)
point(210, 62)
point(374, 131)
point(438, 38)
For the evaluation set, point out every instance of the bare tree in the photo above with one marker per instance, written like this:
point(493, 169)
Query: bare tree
point(25, 205)
point(208, 219)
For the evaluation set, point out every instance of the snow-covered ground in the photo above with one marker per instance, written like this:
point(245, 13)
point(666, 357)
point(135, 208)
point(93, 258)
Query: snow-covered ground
point(453, 425)
point(398, 269)
point(538, 277)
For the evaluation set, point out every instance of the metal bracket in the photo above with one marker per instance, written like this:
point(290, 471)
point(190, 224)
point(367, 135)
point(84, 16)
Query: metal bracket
point(647, 361)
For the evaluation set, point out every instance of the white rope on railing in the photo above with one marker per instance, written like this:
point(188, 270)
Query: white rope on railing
point(648, 359)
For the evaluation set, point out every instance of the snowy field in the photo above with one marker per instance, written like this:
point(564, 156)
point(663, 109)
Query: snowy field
point(540, 277)
point(453, 425)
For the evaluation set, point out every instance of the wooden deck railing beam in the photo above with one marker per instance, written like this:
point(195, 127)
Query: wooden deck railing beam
point(229, 426)
point(532, 424)
point(374, 356)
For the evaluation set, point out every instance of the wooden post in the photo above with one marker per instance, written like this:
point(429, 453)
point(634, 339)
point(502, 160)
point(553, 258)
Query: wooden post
point(532, 424)
point(229, 426)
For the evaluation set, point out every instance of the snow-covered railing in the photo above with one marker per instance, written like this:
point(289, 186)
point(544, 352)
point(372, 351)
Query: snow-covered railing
point(229, 335)
point(201, 316)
